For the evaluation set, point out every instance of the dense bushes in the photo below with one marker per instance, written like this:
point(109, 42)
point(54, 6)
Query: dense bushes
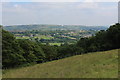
point(50, 52)
point(21, 52)
point(103, 40)
point(11, 51)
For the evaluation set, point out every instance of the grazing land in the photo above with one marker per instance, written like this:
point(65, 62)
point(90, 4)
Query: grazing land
point(56, 36)
point(53, 33)
point(92, 65)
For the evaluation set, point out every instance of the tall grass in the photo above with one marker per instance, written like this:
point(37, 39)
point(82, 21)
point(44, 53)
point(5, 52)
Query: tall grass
point(92, 65)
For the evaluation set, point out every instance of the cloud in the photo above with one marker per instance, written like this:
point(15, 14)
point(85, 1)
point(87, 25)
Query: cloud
point(60, 0)
point(41, 0)
point(101, 0)
point(88, 5)
point(0, 13)
point(16, 5)
point(91, 13)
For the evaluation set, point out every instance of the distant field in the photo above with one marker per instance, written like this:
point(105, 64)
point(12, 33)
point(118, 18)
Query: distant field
point(93, 65)
point(44, 37)
point(58, 44)
point(23, 37)
point(40, 37)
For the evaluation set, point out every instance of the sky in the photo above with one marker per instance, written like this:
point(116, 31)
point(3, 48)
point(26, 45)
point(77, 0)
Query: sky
point(72, 13)
point(119, 12)
point(59, 0)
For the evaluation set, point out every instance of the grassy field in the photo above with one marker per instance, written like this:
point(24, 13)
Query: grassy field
point(39, 36)
point(92, 65)
point(23, 37)
point(44, 37)
point(58, 44)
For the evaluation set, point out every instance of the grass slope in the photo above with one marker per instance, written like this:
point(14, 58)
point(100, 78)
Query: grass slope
point(96, 65)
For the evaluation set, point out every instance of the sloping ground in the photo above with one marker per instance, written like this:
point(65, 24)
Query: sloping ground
point(91, 65)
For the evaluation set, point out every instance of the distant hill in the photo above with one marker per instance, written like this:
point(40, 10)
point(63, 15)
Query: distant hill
point(92, 65)
point(52, 27)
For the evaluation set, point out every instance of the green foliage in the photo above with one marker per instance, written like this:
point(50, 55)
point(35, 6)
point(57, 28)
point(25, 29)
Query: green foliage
point(51, 27)
point(92, 65)
point(50, 52)
point(53, 36)
point(114, 35)
point(17, 52)
point(33, 51)
point(11, 51)
point(103, 40)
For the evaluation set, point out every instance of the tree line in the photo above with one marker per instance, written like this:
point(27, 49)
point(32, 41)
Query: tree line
point(18, 53)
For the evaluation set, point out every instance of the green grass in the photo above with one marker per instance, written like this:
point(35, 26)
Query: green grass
point(39, 36)
point(58, 44)
point(71, 38)
point(44, 37)
point(23, 37)
point(92, 65)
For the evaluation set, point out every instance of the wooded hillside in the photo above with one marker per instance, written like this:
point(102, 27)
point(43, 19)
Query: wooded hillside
point(16, 53)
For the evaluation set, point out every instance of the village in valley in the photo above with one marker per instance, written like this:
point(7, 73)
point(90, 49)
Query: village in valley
point(54, 35)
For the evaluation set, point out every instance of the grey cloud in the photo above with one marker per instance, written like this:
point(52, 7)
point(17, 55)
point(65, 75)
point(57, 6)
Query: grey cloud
point(59, 13)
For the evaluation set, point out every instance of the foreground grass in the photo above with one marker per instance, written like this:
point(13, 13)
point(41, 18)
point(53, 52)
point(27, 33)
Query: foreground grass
point(95, 65)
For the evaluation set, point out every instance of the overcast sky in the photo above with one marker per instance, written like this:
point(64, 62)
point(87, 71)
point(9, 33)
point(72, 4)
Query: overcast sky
point(59, 0)
point(75, 13)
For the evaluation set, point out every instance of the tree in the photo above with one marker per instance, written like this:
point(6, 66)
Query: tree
point(33, 52)
point(50, 52)
point(11, 51)
point(103, 40)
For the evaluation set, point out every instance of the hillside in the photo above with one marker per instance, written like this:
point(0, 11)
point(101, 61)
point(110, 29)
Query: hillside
point(52, 27)
point(96, 65)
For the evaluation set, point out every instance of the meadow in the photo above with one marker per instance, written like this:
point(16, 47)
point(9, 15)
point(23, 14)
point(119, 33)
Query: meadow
point(92, 65)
